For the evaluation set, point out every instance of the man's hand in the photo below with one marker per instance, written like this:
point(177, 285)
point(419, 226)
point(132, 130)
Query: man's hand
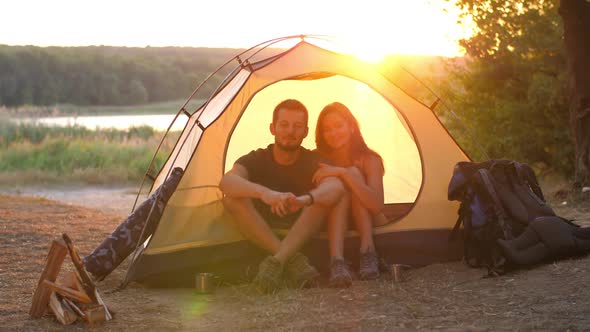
point(279, 202)
point(299, 202)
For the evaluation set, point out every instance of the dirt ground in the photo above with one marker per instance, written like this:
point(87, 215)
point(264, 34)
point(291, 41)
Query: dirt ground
point(447, 296)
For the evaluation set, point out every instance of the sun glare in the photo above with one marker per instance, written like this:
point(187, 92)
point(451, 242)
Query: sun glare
point(414, 27)
point(370, 51)
point(373, 28)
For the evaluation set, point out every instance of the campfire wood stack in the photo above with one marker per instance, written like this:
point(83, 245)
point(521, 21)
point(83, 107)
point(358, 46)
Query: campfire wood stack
point(74, 296)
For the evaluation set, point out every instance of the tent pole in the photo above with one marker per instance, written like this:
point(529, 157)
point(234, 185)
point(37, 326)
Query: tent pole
point(442, 102)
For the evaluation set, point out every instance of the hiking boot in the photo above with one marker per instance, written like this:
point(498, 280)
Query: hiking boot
point(369, 266)
point(268, 279)
point(300, 272)
point(340, 276)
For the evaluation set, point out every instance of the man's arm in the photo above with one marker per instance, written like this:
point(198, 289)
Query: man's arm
point(327, 193)
point(235, 183)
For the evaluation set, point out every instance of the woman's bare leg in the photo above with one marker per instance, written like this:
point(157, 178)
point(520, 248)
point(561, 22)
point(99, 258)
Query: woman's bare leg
point(363, 222)
point(380, 220)
point(340, 275)
point(337, 225)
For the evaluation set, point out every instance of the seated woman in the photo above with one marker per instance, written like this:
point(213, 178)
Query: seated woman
point(339, 141)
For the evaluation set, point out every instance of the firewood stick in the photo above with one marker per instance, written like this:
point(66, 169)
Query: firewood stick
point(106, 309)
point(74, 307)
point(90, 314)
point(66, 305)
point(87, 283)
point(72, 280)
point(55, 258)
point(68, 292)
point(96, 315)
point(63, 314)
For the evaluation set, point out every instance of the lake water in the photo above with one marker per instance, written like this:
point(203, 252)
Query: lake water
point(156, 121)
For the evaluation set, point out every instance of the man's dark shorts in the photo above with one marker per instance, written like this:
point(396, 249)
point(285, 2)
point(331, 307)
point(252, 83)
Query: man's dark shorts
point(274, 220)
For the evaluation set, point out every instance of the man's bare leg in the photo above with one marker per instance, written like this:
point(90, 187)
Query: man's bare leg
point(326, 195)
point(298, 269)
point(304, 228)
point(251, 224)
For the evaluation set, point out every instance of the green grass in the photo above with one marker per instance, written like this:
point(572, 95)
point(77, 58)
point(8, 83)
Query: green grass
point(31, 153)
point(11, 133)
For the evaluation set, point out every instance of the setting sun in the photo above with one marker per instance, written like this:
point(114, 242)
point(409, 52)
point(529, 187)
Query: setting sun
point(415, 27)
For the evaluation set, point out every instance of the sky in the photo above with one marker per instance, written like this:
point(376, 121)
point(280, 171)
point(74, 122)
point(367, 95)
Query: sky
point(372, 28)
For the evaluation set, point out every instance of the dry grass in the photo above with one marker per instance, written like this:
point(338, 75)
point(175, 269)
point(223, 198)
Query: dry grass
point(88, 176)
point(441, 296)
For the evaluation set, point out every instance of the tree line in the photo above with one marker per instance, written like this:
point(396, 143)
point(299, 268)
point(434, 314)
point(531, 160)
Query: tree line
point(513, 86)
point(104, 75)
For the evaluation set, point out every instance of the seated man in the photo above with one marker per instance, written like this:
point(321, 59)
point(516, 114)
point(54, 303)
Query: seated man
point(273, 187)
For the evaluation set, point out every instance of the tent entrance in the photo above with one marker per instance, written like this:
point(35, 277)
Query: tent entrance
point(382, 126)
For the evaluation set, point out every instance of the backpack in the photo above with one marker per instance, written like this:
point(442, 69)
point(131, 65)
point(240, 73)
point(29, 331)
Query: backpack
point(499, 198)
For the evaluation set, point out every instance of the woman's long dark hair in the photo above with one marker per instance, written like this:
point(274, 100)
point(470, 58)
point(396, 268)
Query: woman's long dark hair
point(358, 147)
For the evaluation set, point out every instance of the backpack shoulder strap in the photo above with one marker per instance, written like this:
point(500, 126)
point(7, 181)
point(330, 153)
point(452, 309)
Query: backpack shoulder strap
point(460, 220)
point(526, 173)
point(502, 216)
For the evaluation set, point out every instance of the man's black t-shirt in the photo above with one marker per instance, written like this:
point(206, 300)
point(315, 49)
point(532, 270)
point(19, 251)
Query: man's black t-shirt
point(295, 178)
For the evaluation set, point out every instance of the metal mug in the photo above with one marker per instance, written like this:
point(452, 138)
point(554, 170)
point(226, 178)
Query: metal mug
point(397, 272)
point(204, 283)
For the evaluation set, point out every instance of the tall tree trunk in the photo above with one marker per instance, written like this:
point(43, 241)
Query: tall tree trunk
point(576, 24)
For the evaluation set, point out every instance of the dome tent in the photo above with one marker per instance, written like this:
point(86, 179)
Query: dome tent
point(194, 233)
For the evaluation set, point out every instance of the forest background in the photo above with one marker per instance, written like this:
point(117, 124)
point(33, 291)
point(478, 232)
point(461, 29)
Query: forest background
point(506, 98)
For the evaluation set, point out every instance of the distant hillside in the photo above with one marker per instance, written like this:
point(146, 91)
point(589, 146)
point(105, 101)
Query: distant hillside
point(105, 75)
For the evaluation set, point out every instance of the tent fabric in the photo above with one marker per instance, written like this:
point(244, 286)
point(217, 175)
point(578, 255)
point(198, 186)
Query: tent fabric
point(419, 156)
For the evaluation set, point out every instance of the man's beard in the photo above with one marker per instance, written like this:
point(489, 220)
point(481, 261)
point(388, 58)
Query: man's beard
point(288, 148)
